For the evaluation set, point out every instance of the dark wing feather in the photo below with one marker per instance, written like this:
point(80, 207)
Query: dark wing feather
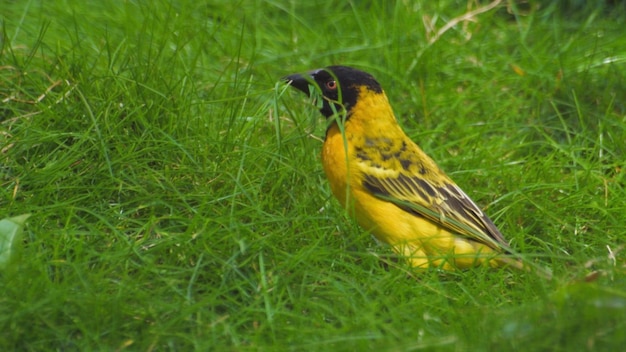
point(417, 185)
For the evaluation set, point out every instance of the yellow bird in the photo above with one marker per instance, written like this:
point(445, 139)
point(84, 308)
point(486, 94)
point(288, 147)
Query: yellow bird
point(392, 188)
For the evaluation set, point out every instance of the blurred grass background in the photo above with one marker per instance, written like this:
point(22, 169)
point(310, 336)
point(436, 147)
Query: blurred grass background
point(178, 201)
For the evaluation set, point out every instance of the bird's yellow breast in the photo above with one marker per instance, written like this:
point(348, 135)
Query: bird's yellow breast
point(370, 119)
point(335, 162)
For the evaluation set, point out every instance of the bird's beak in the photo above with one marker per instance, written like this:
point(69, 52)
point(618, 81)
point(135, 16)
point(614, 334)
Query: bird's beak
point(301, 81)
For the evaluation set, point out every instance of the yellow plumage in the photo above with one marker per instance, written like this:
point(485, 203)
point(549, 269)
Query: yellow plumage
point(390, 185)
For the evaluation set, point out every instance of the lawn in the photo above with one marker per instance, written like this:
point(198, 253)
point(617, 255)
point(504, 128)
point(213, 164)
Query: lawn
point(178, 201)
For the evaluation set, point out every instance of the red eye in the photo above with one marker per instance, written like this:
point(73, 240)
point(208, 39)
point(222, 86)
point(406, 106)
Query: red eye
point(332, 85)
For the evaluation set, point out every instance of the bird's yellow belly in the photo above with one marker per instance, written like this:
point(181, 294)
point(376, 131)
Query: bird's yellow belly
point(421, 241)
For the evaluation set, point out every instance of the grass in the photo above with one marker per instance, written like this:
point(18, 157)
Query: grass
point(178, 201)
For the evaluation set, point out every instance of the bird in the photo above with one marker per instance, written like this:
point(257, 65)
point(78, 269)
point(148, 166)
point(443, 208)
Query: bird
point(390, 185)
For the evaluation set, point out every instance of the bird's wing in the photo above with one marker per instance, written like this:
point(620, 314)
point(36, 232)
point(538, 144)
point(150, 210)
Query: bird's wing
point(414, 183)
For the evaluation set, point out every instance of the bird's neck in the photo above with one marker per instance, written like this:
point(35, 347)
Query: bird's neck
point(372, 115)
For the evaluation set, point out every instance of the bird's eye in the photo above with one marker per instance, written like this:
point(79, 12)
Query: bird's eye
point(332, 85)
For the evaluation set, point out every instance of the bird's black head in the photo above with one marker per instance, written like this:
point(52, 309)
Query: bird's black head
point(339, 85)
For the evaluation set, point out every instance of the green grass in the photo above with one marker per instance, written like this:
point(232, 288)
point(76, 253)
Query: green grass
point(178, 201)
